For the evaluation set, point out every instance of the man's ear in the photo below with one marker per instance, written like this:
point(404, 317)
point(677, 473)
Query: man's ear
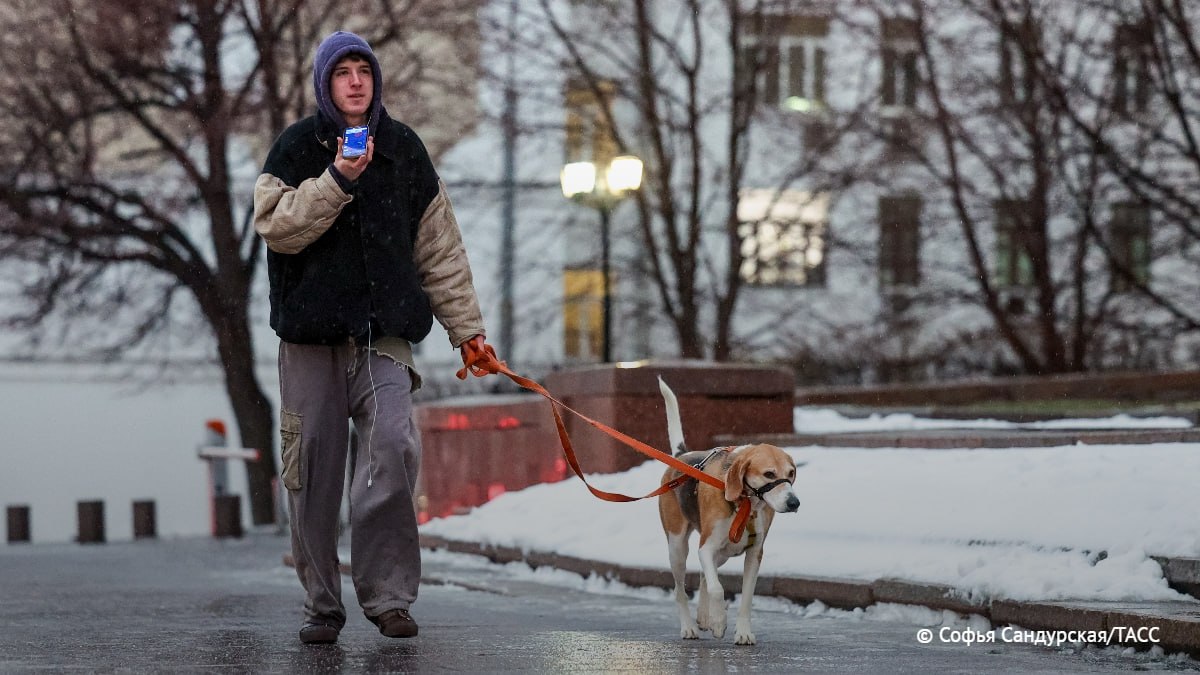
point(734, 478)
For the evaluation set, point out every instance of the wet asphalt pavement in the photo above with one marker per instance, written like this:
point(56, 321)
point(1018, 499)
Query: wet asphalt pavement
point(232, 606)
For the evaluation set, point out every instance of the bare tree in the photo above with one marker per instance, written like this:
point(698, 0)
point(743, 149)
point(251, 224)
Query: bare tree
point(681, 108)
point(1137, 112)
point(987, 134)
point(135, 131)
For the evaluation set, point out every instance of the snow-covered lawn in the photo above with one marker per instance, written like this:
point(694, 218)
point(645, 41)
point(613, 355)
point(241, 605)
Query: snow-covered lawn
point(1076, 522)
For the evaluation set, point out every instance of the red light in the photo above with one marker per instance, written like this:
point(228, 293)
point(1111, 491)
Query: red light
point(509, 422)
point(217, 426)
point(457, 422)
point(423, 517)
point(554, 472)
point(495, 490)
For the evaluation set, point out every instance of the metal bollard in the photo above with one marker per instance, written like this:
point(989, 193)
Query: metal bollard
point(227, 516)
point(145, 523)
point(91, 522)
point(18, 524)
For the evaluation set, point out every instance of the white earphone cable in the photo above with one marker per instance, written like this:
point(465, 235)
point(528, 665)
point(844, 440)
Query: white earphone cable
point(374, 414)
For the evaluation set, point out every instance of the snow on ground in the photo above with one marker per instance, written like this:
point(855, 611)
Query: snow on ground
point(1073, 522)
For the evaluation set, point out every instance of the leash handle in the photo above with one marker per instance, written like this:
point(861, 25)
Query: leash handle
point(479, 362)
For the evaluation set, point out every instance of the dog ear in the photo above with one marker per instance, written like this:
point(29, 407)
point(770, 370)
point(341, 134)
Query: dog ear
point(734, 478)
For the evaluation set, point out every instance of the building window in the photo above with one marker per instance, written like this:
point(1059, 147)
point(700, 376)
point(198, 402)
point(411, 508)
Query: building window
point(590, 136)
point(786, 58)
point(1133, 46)
point(1129, 236)
point(1016, 41)
point(899, 241)
point(783, 236)
point(1014, 265)
point(583, 313)
point(899, 63)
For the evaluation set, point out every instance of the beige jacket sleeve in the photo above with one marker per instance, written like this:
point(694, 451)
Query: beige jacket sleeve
point(290, 218)
point(445, 272)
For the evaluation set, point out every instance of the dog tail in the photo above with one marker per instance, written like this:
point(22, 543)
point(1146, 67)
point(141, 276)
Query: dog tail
point(674, 424)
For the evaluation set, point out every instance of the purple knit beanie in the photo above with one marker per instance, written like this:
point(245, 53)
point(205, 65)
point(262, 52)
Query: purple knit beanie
point(331, 50)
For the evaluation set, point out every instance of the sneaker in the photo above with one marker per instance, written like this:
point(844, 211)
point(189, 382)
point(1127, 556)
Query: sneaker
point(313, 633)
point(397, 623)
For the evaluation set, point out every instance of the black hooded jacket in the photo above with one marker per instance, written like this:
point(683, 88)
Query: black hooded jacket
point(359, 276)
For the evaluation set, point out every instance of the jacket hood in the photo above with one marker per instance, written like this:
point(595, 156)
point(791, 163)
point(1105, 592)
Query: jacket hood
point(329, 52)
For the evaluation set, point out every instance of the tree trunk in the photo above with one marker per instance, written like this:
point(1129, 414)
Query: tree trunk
point(252, 410)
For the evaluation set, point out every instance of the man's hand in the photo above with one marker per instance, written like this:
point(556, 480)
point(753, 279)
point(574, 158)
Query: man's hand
point(352, 168)
point(475, 352)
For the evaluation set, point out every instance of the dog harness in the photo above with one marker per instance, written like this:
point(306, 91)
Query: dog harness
point(687, 492)
point(688, 488)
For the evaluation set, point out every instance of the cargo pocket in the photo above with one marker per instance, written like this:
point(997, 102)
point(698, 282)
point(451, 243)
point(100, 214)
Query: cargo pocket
point(290, 427)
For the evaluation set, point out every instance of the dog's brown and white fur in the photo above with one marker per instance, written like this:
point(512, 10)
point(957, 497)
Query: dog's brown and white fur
point(744, 470)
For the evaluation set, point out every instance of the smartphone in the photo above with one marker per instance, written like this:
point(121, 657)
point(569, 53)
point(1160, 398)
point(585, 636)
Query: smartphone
point(355, 144)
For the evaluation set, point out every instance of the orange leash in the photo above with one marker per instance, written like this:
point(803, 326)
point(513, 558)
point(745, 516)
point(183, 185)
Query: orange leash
point(484, 362)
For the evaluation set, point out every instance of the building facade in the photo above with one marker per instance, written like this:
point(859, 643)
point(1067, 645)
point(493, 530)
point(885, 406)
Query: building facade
point(868, 191)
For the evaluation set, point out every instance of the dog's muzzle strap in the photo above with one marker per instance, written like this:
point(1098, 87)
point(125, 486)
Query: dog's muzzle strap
point(759, 492)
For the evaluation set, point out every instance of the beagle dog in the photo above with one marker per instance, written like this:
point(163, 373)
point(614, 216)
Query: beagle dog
point(765, 475)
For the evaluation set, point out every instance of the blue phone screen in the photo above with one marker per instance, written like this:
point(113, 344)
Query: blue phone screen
point(356, 142)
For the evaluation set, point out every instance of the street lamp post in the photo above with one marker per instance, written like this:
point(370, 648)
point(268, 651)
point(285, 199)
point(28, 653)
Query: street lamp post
point(601, 187)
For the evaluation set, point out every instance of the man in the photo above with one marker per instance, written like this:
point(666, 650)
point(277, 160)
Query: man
point(363, 253)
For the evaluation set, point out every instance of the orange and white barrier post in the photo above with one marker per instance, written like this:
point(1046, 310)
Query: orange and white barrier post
point(225, 508)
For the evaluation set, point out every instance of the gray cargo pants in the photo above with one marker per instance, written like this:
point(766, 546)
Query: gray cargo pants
point(320, 388)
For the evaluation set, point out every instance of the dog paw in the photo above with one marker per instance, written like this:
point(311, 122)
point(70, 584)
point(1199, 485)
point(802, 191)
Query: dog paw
point(718, 628)
point(714, 620)
point(742, 634)
point(689, 633)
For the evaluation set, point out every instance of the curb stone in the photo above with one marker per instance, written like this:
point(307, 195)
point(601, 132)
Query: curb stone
point(959, 439)
point(1182, 574)
point(1178, 623)
point(934, 596)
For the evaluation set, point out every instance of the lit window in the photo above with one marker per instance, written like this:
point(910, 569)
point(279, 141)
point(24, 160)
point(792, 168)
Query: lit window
point(583, 313)
point(786, 57)
point(783, 237)
point(1129, 235)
